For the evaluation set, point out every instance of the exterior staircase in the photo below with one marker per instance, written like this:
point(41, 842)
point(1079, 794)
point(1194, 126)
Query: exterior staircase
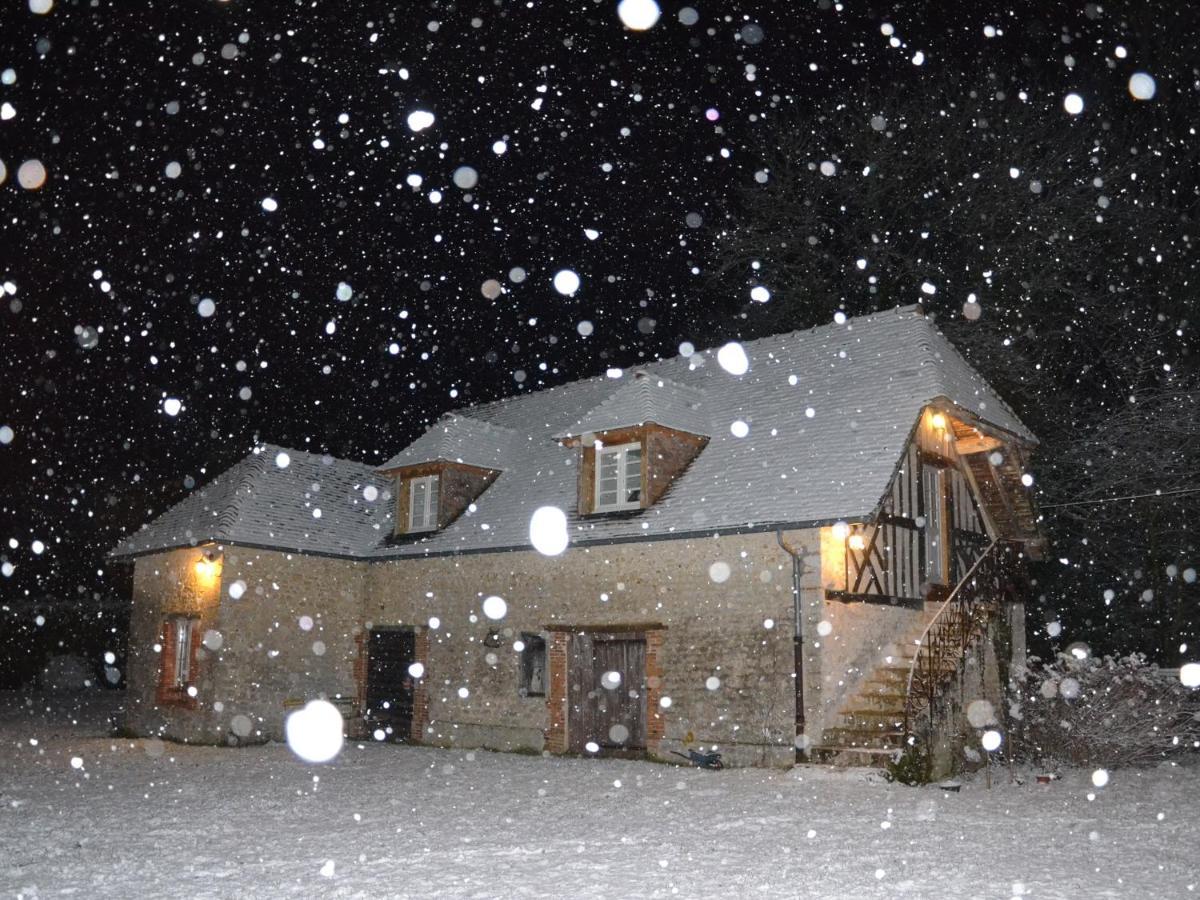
point(870, 730)
point(879, 718)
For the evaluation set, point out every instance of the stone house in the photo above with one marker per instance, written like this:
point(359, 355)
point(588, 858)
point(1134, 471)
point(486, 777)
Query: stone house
point(803, 544)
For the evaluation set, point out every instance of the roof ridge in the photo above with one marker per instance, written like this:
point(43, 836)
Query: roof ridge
point(665, 361)
point(641, 375)
point(255, 465)
point(647, 397)
point(847, 324)
point(456, 414)
point(267, 446)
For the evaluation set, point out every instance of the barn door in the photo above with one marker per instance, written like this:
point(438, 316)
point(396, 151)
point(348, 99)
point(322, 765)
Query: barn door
point(390, 651)
point(606, 680)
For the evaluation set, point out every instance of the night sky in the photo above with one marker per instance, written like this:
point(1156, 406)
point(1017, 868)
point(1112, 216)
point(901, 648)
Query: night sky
point(164, 126)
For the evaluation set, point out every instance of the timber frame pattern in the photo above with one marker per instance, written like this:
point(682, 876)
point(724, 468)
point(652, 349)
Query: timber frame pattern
point(929, 503)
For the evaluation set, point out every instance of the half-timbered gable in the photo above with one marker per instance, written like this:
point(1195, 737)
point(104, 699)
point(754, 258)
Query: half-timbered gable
point(932, 524)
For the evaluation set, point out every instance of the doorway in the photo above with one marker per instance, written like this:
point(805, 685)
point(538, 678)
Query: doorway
point(389, 701)
point(606, 677)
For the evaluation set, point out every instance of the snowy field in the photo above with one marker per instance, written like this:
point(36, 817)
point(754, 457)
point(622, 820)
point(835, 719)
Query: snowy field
point(87, 815)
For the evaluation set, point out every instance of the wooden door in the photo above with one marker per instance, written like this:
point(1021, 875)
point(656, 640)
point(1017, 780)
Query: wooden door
point(606, 683)
point(390, 651)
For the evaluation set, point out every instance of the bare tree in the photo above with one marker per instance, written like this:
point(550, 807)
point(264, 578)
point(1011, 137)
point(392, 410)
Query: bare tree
point(1056, 251)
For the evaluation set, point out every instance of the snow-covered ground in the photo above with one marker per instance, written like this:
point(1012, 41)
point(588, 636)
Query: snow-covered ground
point(143, 818)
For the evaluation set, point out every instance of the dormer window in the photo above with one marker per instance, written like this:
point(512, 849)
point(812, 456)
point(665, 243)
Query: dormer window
point(636, 443)
point(423, 503)
point(618, 477)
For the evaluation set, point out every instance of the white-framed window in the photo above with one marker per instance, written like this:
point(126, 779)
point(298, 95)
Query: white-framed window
point(934, 484)
point(181, 664)
point(618, 477)
point(175, 675)
point(423, 503)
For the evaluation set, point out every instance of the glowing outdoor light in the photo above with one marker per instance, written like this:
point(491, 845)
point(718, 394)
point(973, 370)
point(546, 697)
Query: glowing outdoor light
point(857, 542)
point(207, 565)
point(939, 421)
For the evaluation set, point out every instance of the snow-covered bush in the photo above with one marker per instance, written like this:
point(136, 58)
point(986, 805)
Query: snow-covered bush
point(1107, 712)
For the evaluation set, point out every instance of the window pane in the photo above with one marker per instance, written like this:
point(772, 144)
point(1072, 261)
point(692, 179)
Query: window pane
point(431, 511)
point(934, 524)
point(608, 463)
point(183, 642)
point(417, 503)
point(633, 474)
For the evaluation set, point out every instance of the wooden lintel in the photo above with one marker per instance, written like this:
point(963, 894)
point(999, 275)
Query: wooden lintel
point(606, 629)
point(877, 599)
point(435, 467)
point(628, 434)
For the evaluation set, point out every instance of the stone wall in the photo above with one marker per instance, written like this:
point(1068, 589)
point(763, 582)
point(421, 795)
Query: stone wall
point(256, 654)
point(285, 628)
point(850, 639)
point(711, 629)
point(168, 584)
point(289, 637)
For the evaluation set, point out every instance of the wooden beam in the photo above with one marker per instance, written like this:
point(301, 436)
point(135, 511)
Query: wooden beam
point(977, 443)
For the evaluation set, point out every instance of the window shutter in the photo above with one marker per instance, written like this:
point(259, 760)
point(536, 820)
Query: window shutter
point(166, 658)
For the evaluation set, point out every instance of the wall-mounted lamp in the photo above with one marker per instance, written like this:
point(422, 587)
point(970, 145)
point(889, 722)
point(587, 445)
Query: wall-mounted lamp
point(938, 421)
point(857, 542)
point(208, 563)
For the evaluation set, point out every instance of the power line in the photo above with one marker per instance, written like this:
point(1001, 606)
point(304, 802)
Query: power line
point(1117, 499)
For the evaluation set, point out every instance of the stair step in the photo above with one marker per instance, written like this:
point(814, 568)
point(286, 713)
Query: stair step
point(856, 737)
point(904, 670)
point(872, 728)
point(883, 714)
point(882, 700)
point(860, 757)
point(883, 690)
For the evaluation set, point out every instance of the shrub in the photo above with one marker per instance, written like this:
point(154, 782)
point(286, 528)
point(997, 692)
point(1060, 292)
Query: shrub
point(1107, 712)
point(912, 767)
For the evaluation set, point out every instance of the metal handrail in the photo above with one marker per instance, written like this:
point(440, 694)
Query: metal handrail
point(936, 622)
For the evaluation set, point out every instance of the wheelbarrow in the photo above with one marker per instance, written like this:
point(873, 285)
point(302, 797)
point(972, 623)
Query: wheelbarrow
point(701, 759)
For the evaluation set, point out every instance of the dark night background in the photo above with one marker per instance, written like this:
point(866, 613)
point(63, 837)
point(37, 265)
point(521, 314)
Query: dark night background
point(606, 129)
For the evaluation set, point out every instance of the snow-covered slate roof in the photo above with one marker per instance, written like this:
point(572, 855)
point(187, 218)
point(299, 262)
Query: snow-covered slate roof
point(314, 504)
point(646, 398)
point(457, 438)
point(865, 382)
point(829, 411)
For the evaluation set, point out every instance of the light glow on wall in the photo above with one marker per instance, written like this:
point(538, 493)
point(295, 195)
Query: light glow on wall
point(208, 568)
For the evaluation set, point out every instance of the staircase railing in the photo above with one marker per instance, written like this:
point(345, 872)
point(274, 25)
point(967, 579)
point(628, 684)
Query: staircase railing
point(944, 643)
